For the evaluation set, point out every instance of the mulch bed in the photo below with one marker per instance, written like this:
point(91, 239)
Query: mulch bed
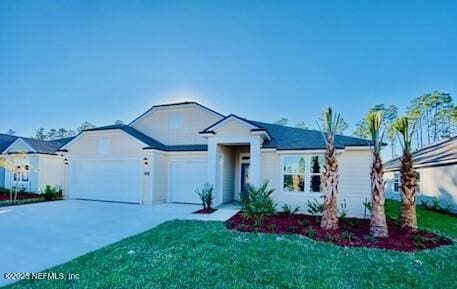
point(21, 196)
point(205, 211)
point(352, 232)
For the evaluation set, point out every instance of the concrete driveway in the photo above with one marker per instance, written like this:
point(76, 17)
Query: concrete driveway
point(38, 236)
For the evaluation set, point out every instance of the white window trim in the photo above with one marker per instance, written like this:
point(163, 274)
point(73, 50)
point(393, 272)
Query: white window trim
point(307, 176)
point(399, 184)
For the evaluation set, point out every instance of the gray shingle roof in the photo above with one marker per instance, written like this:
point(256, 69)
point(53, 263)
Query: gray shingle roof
point(40, 146)
point(432, 155)
point(5, 141)
point(149, 141)
point(292, 138)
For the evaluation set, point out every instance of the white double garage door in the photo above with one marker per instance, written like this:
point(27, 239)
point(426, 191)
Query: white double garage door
point(122, 180)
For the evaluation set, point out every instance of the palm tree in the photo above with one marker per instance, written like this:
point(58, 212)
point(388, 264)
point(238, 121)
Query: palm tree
point(331, 122)
point(378, 224)
point(405, 131)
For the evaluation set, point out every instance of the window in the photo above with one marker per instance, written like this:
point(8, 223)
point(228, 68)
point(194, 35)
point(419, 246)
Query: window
point(303, 173)
point(25, 175)
point(294, 174)
point(418, 183)
point(104, 146)
point(21, 174)
point(316, 183)
point(17, 174)
point(396, 183)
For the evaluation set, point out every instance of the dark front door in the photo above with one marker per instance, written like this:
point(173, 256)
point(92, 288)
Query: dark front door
point(244, 175)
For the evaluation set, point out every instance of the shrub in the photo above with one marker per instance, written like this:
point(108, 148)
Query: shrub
point(289, 210)
point(310, 233)
point(343, 209)
point(272, 227)
point(329, 237)
point(206, 195)
point(4, 192)
point(315, 207)
point(420, 241)
point(292, 229)
point(257, 203)
point(371, 239)
point(368, 207)
point(347, 236)
point(305, 223)
point(52, 193)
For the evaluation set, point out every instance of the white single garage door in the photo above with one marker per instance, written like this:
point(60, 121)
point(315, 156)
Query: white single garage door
point(185, 178)
point(106, 180)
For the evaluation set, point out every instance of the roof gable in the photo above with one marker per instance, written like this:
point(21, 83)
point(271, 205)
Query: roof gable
point(19, 146)
point(440, 153)
point(175, 105)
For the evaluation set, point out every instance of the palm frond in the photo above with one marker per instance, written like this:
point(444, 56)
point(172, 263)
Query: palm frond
point(374, 124)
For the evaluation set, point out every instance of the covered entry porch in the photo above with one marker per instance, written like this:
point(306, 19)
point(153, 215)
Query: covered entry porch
point(232, 163)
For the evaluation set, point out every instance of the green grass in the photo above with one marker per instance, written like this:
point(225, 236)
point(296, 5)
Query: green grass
point(192, 254)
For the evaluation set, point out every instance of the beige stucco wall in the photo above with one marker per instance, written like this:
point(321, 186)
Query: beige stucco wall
point(159, 124)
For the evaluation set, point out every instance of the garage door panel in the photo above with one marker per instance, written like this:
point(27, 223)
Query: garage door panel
point(105, 180)
point(185, 178)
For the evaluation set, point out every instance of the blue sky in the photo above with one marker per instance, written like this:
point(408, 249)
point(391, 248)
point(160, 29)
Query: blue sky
point(65, 62)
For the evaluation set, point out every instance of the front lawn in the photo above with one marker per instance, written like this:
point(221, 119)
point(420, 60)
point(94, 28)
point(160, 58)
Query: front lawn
point(193, 254)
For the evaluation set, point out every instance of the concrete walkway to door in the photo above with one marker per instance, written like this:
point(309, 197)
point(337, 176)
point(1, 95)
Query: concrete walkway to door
point(39, 236)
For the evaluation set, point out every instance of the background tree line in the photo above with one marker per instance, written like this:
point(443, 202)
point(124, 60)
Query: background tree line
point(53, 134)
point(435, 117)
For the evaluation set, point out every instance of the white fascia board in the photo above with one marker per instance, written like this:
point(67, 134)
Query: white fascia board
point(232, 117)
point(176, 152)
point(263, 133)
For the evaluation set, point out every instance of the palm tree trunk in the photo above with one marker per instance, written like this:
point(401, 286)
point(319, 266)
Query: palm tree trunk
point(329, 219)
point(378, 224)
point(408, 193)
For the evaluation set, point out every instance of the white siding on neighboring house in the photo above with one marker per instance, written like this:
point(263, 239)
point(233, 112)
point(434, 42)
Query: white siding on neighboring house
point(435, 182)
point(51, 171)
point(176, 125)
point(32, 160)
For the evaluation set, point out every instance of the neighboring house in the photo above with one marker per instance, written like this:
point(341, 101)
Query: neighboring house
point(32, 163)
point(436, 170)
point(171, 150)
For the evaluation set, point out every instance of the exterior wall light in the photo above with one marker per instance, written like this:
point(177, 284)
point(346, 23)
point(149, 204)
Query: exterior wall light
point(65, 161)
point(145, 160)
